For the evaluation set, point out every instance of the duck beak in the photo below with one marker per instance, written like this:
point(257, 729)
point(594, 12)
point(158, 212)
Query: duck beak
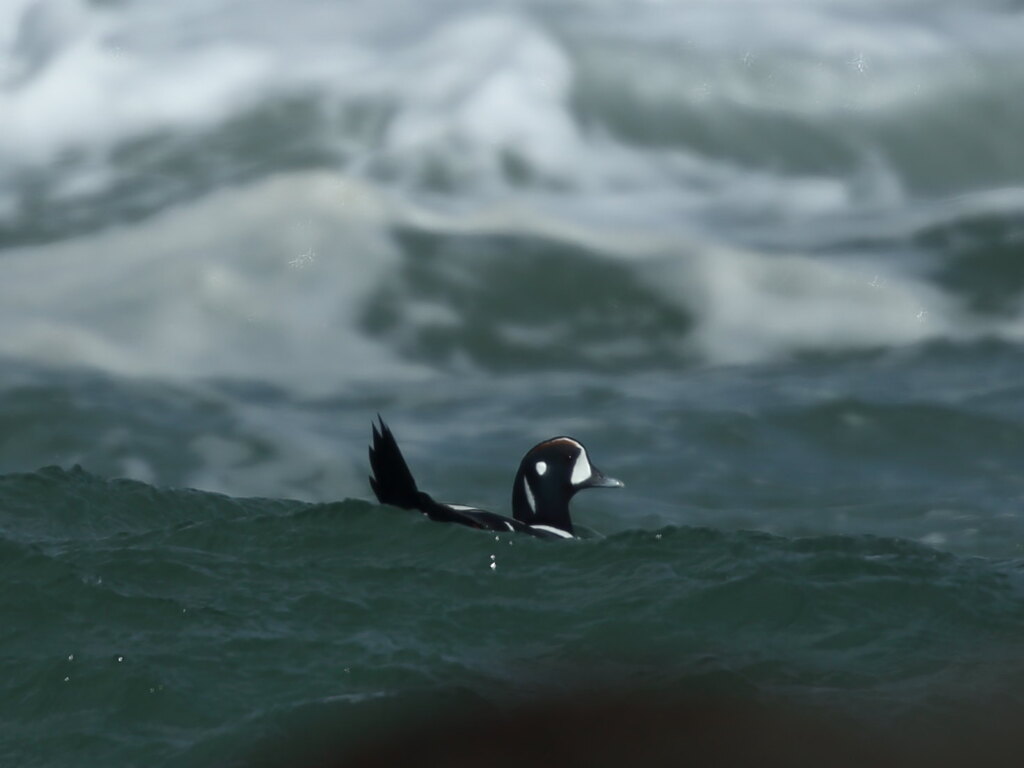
point(598, 480)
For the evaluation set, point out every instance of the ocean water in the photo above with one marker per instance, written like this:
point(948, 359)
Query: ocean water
point(766, 260)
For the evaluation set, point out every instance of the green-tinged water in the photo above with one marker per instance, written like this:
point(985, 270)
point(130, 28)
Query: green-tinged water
point(178, 626)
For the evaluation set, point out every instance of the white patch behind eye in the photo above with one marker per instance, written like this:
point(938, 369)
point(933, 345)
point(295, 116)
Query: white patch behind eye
point(541, 467)
point(529, 496)
point(581, 469)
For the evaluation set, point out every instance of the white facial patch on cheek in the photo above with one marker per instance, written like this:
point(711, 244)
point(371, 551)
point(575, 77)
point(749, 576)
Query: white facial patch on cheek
point(541, 467)
point(581, 469)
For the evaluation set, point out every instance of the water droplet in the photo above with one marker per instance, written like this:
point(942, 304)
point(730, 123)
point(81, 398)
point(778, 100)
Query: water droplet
point(494, 566)
point(120, 659)
point(492, 557)
point(71, 657)
point(657, 535)
point(66, 679)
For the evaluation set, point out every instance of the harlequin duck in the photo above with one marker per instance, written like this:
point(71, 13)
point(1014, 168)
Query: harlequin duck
point(549, 476)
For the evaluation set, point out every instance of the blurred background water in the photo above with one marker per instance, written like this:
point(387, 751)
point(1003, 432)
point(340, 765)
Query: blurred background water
point(766, 260)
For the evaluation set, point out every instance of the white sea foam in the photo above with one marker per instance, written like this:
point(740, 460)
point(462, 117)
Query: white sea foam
point(210, 290)
point(270, 282)
point(576, 125)
point(469, 82)
point(752, 307)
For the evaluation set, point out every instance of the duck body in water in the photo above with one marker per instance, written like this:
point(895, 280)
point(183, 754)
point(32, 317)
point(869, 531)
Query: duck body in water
point(550, 474)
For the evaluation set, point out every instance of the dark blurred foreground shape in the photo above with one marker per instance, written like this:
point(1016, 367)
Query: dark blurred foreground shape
point(604, 729)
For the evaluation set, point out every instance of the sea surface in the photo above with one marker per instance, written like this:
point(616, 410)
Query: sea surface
point(765, 260)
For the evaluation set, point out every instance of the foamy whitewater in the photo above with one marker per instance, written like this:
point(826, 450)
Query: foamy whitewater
point(763, 259)
point(228, 174)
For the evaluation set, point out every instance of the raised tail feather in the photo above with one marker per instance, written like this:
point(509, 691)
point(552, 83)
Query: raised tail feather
point(393, 483)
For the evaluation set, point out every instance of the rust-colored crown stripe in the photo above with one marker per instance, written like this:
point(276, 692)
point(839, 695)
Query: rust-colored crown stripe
point(562, 441)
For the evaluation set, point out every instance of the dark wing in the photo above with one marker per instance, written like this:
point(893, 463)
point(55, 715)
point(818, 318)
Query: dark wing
point(492, 521)
point(489, 521)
